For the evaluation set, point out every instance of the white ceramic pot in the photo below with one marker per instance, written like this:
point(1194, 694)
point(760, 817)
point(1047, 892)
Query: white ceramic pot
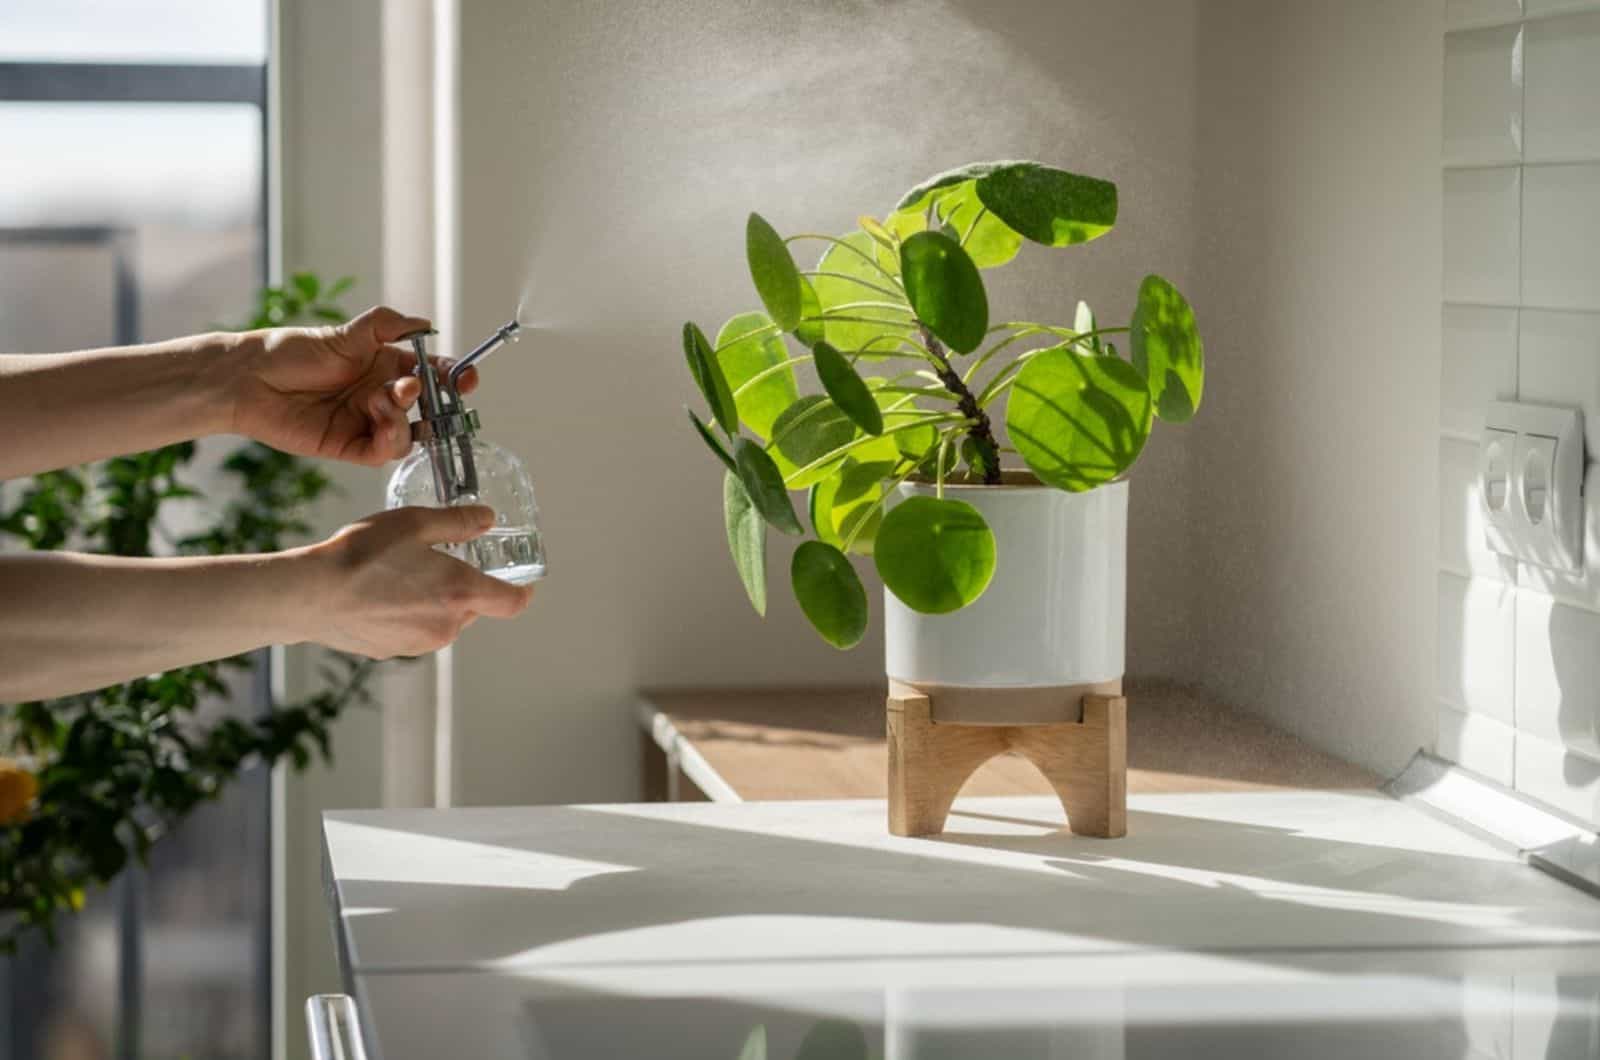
point(1054, 616)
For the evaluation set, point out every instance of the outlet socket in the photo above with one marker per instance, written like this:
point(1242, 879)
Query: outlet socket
point(1530, 483)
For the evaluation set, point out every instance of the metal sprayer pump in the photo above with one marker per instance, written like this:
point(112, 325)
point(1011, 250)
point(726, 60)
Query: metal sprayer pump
point(452, 465)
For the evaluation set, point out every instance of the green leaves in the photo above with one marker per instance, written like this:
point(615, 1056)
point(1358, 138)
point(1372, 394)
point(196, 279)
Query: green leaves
point(844, 506)
point(1048, 205)
point(988, 240)
point(709, 378)
point(806, 432)
point(121, 766)
point(747, 539)
point(1079, 420)
point(846, 389)
point(772, 268)
point(1077, 414)
point(1166, 348)
point(945, 289)
point(830, 593)
point(749, 346)
point(710, 439)
point(848, 274)
point(764, 483)
point(937, 556)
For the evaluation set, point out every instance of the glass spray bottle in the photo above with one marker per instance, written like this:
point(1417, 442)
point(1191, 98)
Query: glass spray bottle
point(450, 465)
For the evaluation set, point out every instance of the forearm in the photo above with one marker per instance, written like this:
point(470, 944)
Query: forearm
point(70, 408)
point(71, 622)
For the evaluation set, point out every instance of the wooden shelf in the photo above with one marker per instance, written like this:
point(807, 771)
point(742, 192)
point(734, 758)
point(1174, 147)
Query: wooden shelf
point(786, 743)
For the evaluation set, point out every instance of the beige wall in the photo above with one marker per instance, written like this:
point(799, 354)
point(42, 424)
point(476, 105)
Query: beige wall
point(1317, 252)
point(1280, 162)
point(624, 143)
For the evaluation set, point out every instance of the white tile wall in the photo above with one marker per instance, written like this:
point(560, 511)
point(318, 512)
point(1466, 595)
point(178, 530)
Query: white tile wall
point(1483, 96)
point(1547, 771)
point(1477, 626)
point(1560, 236)
point(1558, 673)
point(1563, 89)
point(1479, 364)
point(1559, 364)
point(1482, 234)
point(1462, 548)
point(1482, 744)
point(1519, 649)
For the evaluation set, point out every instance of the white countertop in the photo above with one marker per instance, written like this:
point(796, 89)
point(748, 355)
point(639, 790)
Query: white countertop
point(527, 928)
point(547, 886)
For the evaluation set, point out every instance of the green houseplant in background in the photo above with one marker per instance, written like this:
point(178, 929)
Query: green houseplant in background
point(101, 775)
point(914, 374)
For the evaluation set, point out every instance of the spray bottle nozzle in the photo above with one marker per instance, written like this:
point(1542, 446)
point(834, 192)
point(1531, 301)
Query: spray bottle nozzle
point(508, 333)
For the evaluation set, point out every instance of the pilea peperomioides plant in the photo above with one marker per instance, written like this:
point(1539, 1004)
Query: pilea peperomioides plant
point(896, 323)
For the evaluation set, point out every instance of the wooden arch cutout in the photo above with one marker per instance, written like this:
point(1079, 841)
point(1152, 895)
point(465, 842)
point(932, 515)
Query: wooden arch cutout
point(1086, 762)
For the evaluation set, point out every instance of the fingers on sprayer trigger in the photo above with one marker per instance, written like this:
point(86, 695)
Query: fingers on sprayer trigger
point(452, 526)
point(404, 392)
point(389, 324)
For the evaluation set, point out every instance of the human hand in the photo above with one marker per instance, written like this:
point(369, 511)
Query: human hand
point(384, 590)
point(339, 392)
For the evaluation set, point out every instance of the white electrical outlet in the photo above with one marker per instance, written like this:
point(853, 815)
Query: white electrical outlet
point(1530, 483)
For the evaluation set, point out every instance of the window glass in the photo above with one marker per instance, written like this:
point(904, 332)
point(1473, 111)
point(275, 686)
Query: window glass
point(143, 31)
point(182, 202)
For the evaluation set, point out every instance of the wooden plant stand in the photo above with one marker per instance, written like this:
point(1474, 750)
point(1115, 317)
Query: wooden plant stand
point(1085, 761)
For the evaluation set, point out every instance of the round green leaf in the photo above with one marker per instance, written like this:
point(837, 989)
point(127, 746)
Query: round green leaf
point(846, 389)
point(936, 555)
point(830, 593)
point(852, 277)
point(709, 378)
point(1048, 205)
point(772, 268)
point(748, 345)
point(945, 289)
point(1166, 347)
point(804, 433)
point(848, 499)
point(1078, 420)
point(747, 540)
point(764, 483)
point(710, 439)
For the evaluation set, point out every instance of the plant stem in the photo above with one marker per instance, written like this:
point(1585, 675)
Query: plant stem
point(868, 284)
point(981, 432)
point(973, 227)
point(1000, 380)
point(844, 450)
point(771, 369)
point(863, 255)
point(864, 516)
